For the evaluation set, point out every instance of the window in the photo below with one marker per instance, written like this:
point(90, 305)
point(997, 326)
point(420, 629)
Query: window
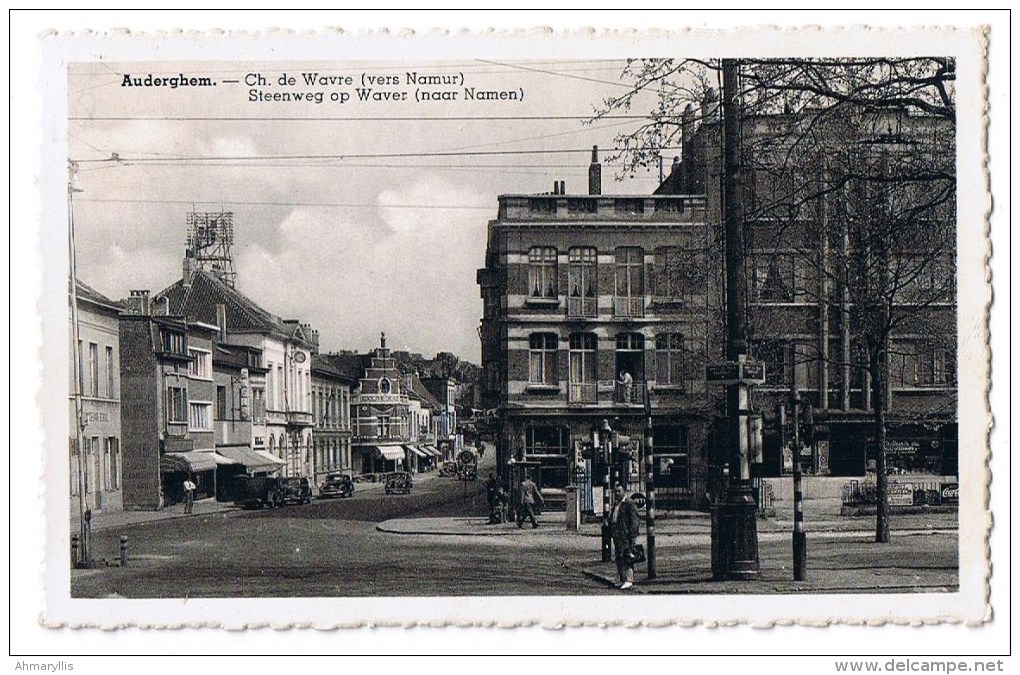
point(113, 461)
point(671, 457)
point(221, 402)
point(679, 273)
point(174, 342)
point(778, 363)
point(383, 427)
point(547, 441)
point(542, 358)
point(201, 364)
point(176, 405)
point(669, 359)
point(542, 205)
point(583, 285)
point(775, 278)
point(630, 282)
point(111, 370)
point(258, 405)
point(542, 272)
point(93, 385)
point(582, 368)
point(905, 365)
point(198, 416)
point(385, 386)
point(944, 365)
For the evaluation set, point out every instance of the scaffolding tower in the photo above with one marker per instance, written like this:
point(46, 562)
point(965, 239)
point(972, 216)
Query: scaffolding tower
point(210, 236)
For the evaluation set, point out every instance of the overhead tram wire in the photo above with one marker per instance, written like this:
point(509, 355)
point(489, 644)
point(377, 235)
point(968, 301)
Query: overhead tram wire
point(194, 202)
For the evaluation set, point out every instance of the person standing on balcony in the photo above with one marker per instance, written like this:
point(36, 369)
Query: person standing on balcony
point(625, 385)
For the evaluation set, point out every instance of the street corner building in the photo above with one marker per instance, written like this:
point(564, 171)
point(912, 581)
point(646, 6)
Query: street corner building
point(601, 312)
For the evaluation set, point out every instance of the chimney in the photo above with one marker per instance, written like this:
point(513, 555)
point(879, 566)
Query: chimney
point(221, 320)
point(595, 173)
point(138, 302)
point(563, 187)
point(189, 267)
point(556, 187)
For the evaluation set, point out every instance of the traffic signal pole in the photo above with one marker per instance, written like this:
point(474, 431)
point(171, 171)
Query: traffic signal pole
point(734, 524)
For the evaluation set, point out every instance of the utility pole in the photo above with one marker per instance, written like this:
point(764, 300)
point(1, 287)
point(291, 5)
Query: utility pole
point(799, 535)
point(649, 488)
point(734, 526)
point(84, 514)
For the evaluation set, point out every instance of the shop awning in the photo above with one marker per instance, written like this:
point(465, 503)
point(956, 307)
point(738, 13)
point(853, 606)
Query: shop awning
point(393, 453)
point(432, 450)
point(416, 451)
point(271, 457)
point(250, 458)
point(187, 461)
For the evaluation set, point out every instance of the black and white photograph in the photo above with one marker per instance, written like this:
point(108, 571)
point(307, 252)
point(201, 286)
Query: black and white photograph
point(371, 328)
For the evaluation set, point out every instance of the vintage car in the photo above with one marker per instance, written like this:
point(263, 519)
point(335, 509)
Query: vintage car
point(295, 491)
point(256, 492)
point(337, 485)
point(399, 481)
point(448, 469)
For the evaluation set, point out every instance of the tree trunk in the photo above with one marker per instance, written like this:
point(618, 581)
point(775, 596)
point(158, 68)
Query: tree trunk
point(879, 382)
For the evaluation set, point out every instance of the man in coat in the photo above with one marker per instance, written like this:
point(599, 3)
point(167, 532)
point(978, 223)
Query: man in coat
point(530, 496)
point(626, 527)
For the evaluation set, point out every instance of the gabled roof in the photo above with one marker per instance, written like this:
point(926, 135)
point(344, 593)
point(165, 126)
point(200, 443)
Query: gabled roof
point(323, 365)
point(88, 294)
point(350, 366)
point(418, 387)
point(198, 298)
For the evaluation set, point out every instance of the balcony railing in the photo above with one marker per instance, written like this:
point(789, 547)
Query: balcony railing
point(629, 394)
point(582, 307)
point(583, 392)
point(628, 306)
point(299, 418)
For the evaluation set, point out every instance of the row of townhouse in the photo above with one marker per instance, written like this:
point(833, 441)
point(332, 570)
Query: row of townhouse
point(200, 382)
point(604, 310)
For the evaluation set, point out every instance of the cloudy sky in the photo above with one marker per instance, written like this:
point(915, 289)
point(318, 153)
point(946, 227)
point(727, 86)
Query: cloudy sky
point(357, 217)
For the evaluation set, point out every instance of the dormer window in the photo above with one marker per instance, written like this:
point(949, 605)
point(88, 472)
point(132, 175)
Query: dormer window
point(385, 386)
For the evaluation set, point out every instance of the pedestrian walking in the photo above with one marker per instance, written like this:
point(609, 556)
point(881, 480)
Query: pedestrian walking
point(530, 497)
point(189, 494)
point(626, 527)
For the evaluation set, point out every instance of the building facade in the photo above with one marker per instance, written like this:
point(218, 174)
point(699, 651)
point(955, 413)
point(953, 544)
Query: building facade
point(96, 466)
point(331, 435)
point(168, 395)
point(594, 305)
point(286, 348)
point(858, 200)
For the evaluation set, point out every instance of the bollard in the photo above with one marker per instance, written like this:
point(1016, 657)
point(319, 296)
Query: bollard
point(123, 550)
point(74, 550)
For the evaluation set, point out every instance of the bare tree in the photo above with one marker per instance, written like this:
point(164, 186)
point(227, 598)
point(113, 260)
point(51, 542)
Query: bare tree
point(853, 170)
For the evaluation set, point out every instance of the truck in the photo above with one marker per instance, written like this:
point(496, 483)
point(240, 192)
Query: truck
point(256, 492)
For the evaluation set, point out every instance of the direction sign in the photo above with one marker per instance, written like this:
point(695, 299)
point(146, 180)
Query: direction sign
point(733, 372)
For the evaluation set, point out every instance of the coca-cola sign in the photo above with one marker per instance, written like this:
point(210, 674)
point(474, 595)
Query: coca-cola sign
point(950, 493)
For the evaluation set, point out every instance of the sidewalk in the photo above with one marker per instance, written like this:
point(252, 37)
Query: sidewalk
point(202, 507)
point(842, 556)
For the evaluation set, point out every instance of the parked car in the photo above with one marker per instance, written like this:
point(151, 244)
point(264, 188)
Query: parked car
point(295, 491)
point(448, 469)
point(399, 481)
point(337, 485)
point(256, 492)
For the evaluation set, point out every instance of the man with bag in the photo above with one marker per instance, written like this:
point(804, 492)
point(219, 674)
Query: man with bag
point(626, 526)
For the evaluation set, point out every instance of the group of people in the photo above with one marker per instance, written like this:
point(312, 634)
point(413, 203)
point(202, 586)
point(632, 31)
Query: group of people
point(624, 520)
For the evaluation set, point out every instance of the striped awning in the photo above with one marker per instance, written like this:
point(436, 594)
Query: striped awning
point(195, 460)
point(271, 457)
point(432, 450)
point(420, 453)
point(393, 453)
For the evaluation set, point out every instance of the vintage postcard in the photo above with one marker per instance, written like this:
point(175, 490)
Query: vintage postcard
point(513, 328)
